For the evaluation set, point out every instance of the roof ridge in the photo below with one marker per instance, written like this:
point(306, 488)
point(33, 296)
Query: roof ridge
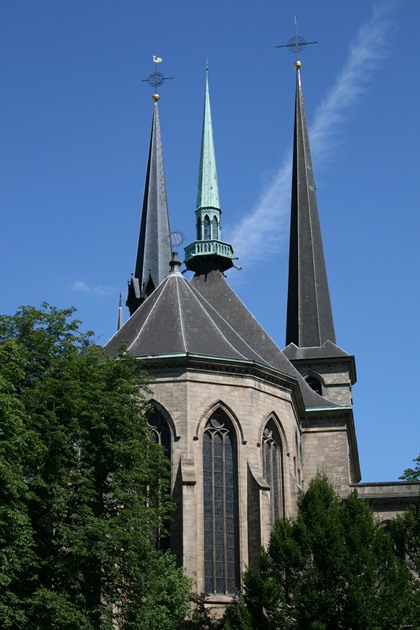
point(231, 327)
point(214, 323)
point(255, 320)
point(181, 321)
point(151, 311)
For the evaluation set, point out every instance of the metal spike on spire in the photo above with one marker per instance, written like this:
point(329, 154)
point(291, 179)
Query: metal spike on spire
point(120, 315)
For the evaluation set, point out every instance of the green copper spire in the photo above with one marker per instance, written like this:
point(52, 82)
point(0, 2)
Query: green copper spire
point(208, 252)
point(208, 190)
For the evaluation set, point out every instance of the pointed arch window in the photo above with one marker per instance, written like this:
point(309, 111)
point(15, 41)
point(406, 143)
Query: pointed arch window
point(206, 234)
point(215, 229)
point(160, 433)
point(273, 468)
point(199, 235)
point(220, 486)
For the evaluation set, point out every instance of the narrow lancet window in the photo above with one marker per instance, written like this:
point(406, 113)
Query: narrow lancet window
point(221, 574)
point(199, 235)
point(215, 229)
point(206, 228)
point(273, 468)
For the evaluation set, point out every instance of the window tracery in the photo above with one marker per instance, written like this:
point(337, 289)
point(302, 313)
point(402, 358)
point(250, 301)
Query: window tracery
point(160, 430)
point(273, 468)
point(220, 488)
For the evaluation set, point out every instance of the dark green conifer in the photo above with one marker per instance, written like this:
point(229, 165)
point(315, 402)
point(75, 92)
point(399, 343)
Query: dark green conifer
point(333, 567)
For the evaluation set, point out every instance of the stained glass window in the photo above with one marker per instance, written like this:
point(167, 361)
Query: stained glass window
point(273, 468)
point(220, 483)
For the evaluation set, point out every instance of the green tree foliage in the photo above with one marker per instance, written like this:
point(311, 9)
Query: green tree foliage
point(412, 474)
point(82, 485)
point(405, 530)
point(334, 567)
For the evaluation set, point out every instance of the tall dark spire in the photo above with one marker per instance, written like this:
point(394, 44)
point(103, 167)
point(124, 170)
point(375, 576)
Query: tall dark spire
point(208, 252)
point(154, 250)
point(309, 315)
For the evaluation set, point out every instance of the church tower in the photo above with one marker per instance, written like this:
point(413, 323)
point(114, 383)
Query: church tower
point(310, 335)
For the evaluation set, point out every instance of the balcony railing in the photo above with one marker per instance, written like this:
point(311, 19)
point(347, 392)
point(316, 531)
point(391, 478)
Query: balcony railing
point(202, 248)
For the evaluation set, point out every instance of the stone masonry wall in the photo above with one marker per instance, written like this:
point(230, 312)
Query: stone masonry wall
point(189, 398)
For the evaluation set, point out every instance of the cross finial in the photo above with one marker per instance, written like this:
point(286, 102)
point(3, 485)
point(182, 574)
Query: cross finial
point(155, 79)
point(296, 44)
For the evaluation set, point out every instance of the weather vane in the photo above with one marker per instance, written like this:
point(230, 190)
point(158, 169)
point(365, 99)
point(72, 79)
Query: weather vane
point(296, 44)
point(156, 78)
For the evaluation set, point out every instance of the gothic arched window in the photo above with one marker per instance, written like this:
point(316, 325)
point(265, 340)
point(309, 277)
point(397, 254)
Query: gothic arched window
point(273, 468)
point(220, 486)
point(206, 234)
point(215, 229)
point(199, 235)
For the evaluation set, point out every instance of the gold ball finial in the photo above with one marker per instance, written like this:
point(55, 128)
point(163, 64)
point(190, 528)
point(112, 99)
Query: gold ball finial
point(298, 64)
point(155, 97)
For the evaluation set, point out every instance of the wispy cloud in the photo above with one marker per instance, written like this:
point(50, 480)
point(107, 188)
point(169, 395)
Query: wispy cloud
point(263, 230)
point(81, 286)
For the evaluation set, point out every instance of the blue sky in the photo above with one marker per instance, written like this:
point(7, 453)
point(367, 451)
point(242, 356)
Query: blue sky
point(75, 126)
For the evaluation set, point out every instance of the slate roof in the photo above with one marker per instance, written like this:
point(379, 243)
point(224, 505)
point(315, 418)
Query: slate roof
point(309, 314)
point(154, 248)
point(327, 350)
point(203, 317)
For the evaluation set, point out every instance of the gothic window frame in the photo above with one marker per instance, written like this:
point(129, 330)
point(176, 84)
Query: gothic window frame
point(160, 429)
point(215, 228)
point(220, 504)
point(162, 433)
point(273, 450)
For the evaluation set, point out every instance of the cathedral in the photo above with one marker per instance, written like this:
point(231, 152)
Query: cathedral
point(245, 424)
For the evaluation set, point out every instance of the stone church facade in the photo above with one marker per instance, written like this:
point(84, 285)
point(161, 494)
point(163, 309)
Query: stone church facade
point(245, 424)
